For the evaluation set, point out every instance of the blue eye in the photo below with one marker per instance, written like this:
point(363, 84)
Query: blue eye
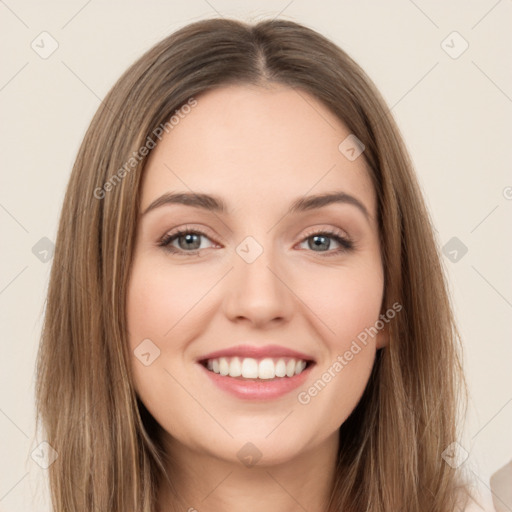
point(186, 238)
point(322, 239)
point(189, 242)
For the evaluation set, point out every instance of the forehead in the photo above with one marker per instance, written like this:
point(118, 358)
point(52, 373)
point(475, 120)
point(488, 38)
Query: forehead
point(256, 147)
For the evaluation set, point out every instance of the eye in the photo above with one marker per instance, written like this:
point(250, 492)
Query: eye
point(188, 240)
point(321, 239)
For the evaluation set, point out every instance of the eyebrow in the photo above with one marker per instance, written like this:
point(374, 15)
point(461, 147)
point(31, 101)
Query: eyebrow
point(217, 205)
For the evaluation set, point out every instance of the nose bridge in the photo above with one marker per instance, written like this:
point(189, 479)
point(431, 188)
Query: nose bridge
point(256, 289)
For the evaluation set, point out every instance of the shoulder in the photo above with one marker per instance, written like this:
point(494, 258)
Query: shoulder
point(478, 505)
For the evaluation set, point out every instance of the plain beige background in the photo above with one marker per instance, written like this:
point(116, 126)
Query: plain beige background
point(453, 105)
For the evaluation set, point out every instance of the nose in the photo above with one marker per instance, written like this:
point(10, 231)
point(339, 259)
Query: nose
point(258, 292)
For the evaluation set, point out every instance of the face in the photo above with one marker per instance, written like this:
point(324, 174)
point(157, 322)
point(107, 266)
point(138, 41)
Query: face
point(268, 286)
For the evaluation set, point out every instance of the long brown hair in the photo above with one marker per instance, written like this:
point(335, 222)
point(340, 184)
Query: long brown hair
point(109, 456)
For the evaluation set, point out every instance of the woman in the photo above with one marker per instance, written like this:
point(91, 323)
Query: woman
point(247, 308)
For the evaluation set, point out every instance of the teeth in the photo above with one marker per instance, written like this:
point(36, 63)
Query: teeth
point(250, 368)
point(235, 367)
point(299, 367)
point(290, 368)
point(223, 366)
point(267, 369)
point(280, 368)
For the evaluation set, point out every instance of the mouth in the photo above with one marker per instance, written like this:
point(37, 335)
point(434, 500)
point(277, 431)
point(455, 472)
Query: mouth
point(254, 376)
point(257, 369)
point(255, 372)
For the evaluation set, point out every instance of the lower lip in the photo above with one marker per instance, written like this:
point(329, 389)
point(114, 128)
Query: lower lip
point(260, 389)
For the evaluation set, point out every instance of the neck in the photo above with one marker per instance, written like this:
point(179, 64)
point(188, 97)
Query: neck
point(205, 483)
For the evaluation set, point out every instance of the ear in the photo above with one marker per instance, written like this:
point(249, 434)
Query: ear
point(382, 338)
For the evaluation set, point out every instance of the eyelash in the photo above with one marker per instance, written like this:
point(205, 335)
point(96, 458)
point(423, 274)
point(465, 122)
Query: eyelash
point(346, 244)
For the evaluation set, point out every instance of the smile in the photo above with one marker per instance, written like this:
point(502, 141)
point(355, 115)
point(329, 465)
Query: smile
point(270, 386)
point(251, 368)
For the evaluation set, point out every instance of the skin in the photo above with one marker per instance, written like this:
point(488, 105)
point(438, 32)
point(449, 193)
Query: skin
point(265, 147)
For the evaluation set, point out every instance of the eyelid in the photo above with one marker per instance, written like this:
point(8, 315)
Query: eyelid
point(199, 229)
point(331, 230)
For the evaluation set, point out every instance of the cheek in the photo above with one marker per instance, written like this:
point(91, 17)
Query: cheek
point(163, 312)
point(158, 299)
point(346, 302)
point(347, 306)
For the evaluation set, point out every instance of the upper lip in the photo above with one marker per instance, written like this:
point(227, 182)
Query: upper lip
point(257, 352)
